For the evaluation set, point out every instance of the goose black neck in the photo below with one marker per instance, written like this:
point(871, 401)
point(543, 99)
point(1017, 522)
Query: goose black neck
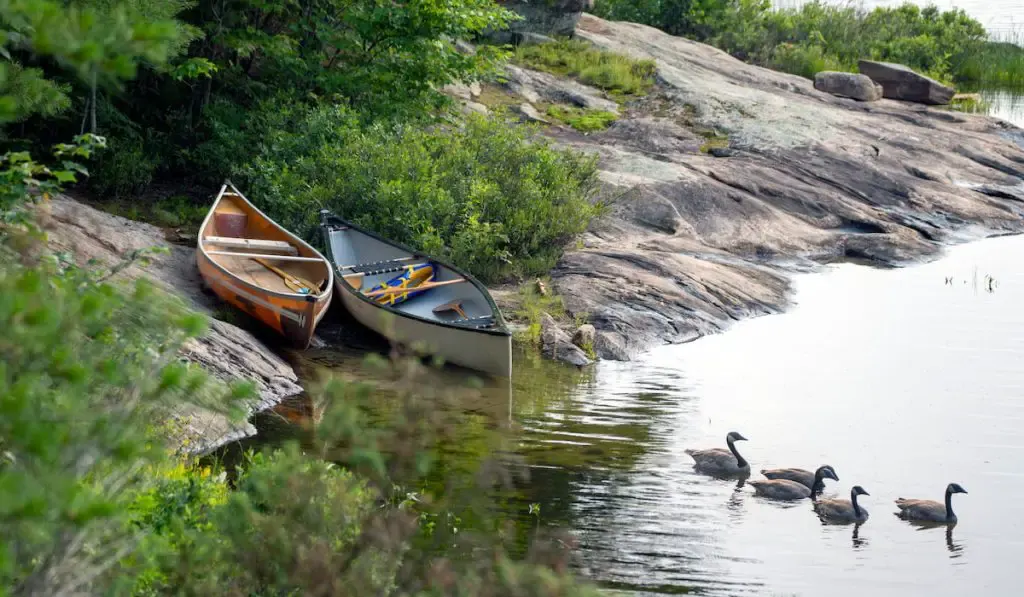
point(740, 462)
point(853, 500)
point(949, 505)
point(819, 481)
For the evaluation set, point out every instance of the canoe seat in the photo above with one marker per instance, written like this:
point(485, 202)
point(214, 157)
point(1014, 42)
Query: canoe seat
point(383, 267)
point(252, 243)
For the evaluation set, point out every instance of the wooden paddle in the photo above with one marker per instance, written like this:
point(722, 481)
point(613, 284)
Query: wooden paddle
point(390, 291)
point(455, 305)
point(294, 282)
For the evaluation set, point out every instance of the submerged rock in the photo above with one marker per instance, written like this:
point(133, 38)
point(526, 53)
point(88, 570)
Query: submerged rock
point(225, 351)
point(901, 83)
point(556, 344)
point(853, 85)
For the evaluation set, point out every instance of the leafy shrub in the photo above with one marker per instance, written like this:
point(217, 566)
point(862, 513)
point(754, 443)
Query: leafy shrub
point(495, 199)
point(122, 170)
point(85, 372)
point(805, 61)
point(606, 70)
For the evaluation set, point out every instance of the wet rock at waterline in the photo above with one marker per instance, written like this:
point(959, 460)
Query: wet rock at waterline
point(853, 85)
point(556, 343)
point(584, 336)
point(225, 351)
point(901, 83)
point(691, 243)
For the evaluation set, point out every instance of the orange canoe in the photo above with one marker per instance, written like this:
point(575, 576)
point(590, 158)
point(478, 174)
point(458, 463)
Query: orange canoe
point(250, 261)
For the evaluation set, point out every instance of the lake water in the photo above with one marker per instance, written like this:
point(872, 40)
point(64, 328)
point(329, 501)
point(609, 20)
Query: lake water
point(902, 381)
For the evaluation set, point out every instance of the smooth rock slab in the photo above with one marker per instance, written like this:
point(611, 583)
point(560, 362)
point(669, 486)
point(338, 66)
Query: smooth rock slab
point(857, 86)
point(901, 83)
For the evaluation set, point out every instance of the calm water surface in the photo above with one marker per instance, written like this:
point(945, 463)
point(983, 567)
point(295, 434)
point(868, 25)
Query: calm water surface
point(900, 380)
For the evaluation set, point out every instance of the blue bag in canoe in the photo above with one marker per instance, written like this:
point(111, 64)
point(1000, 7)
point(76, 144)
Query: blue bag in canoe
point(413, 276)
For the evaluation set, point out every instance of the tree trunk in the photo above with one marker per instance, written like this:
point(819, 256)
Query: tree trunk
point(92, 104)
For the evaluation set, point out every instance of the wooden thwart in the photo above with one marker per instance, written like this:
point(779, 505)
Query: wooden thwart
point(252, 243)
point(390, 291)
point(265, 256)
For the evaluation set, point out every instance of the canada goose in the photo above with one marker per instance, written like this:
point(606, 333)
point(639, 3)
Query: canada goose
point(812, 480)
point(843, 510)
point(787, 489)
point(930, 510)
point(716, 461)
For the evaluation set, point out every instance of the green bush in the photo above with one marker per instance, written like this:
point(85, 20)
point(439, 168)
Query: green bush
point(495, 199)
point(122, 170)
point(805, 61)
point(86, 372)
point(606, 70)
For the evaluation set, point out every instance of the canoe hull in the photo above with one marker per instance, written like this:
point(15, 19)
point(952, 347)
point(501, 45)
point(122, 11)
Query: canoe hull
point(455, 318)
point(295, 319)
point(488, 353)
point(232, 259)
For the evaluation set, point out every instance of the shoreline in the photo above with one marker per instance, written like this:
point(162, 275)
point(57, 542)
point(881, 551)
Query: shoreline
point(695, 242)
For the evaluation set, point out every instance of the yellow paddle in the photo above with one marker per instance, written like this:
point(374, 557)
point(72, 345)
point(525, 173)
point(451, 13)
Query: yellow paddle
point(294, 282)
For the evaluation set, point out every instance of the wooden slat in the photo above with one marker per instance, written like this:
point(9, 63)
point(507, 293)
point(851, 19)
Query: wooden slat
point(252, 243)
point(265, 256)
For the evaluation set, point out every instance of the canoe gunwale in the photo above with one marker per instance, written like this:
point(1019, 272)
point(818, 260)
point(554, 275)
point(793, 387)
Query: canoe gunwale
point(324, 295)
point(330, 221)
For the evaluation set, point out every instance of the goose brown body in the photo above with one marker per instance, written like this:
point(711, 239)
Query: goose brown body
point(788, 489)
point(930, 510)
point(843, 510)
point(719, 461)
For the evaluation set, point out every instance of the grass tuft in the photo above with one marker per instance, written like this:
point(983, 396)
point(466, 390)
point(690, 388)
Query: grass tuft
point(615, 73)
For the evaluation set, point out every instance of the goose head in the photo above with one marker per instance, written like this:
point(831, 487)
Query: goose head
point(955, 488)
point(858, 490)
point(827, 472)
point(734, 436)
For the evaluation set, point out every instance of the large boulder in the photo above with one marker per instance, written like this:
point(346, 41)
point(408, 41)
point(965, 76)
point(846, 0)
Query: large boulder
point(226, 351)
point(901, 83)
point(859, 87)
point(544, 17)
point(557, 344)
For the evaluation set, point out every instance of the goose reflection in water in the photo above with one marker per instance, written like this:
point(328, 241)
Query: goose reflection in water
point(954, 547)
point(858, 541)
point(735, 503)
